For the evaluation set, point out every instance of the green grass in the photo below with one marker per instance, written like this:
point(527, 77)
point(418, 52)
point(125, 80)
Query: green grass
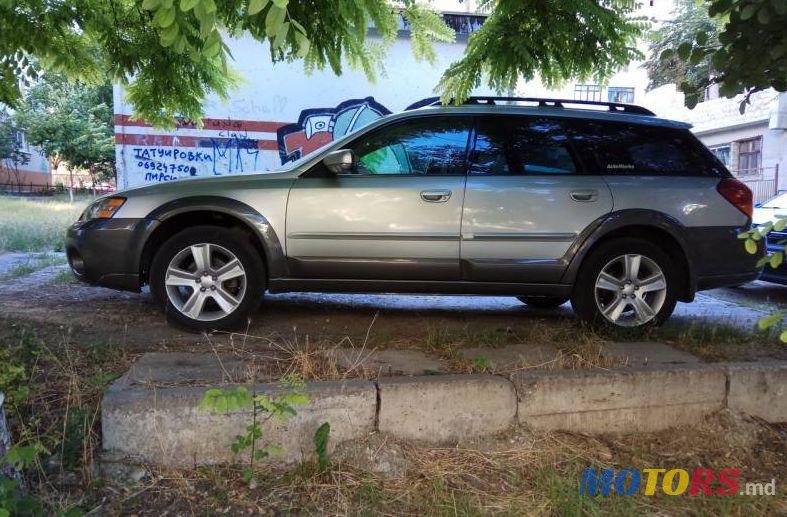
point(33, 264)
point(37, 224)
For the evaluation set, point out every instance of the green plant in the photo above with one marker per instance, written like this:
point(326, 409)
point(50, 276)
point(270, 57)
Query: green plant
point(321, 445)
point(280, 406)
point(751, 239)
point(480, 363)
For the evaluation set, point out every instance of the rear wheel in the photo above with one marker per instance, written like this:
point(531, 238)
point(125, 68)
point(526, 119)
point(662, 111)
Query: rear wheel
point(542, 302)
point(626, 283)
point(208, 277)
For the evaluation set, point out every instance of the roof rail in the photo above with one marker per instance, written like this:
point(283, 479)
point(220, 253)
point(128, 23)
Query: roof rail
point(614, 107)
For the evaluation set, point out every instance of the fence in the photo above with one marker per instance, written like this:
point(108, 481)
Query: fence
point(764, 182)
point(33, 189)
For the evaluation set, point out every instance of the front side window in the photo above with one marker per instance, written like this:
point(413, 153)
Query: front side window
point(431, 146)
point(506, 146)
point(619, 148)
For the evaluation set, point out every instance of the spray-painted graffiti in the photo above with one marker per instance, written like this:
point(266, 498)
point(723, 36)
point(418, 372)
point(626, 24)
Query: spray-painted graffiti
point(319, 126)
point(233, 149)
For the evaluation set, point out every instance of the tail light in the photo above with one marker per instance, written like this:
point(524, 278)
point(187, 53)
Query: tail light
point(737, 193)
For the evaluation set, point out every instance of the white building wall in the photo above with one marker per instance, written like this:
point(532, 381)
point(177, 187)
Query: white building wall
point(275, 115)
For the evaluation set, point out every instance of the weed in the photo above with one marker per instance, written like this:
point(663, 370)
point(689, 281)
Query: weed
point(321, 445)
point(35, 225)
point(280, 406)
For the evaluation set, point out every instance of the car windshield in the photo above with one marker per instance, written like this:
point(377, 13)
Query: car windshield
point(779, 201)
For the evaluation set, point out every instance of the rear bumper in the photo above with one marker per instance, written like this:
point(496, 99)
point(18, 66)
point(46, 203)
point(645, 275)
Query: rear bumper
point(719, 257)
point(107, 252)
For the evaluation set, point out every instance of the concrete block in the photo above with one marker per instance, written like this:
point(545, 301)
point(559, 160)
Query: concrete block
point(627, 400)
point(443, 408)
point(759, 389)
point(164, 426)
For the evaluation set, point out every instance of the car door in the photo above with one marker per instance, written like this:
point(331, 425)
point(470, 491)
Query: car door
point(395, 216)
point(526, 200)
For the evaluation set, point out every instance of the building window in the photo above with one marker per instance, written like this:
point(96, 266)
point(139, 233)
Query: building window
point(620, 94)
point(722, 152)
point(587, 92)
point(749, 155)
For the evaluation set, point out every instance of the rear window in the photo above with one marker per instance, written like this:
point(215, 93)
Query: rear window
point(618, 148)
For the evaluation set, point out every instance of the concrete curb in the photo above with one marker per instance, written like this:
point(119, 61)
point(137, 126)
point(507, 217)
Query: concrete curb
point(163, 425)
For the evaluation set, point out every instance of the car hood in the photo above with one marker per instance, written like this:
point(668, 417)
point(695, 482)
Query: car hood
point(763, 214)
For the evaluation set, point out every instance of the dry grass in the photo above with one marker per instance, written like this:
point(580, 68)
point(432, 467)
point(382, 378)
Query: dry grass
point(520, 473)
point(36, 224)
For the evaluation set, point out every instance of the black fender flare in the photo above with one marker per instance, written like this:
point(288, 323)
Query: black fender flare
point(608, 223)
point(251, 218)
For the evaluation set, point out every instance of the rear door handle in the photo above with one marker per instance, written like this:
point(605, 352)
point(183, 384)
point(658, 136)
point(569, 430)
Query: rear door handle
point(584, 196)
point(436, 196)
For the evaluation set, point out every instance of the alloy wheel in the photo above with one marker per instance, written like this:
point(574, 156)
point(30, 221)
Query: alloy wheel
point(205, 282)
point(630, 290)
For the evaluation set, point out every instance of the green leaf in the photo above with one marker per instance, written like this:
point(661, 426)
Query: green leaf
point(210, 6)
point(164, 17)
point(762, 261)
point(274, 20)
point(751, 246)
point(702, 38)
point(187, 5)
point(303, 44)
point(783, 336)
point(150, 5)
point(321, 445)
point(763, 15)
point(281, 3)
point(684, 50)
point(770, 320)
point(748, 11)
point(170, 34)
point(780, 224)
point(256, 6)
point(281, 36)
point(776, 259)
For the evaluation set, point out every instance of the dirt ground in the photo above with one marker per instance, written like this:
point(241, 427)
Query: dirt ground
point(718, 326)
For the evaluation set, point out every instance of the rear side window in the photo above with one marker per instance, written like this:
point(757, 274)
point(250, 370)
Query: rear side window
point(617, 148)
point(506, 146)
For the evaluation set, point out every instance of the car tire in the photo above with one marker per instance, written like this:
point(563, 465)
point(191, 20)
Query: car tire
point(229, 288)
point(542, 302)
point(616, 299)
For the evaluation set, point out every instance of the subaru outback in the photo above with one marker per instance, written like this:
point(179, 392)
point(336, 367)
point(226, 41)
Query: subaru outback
point(603, 204)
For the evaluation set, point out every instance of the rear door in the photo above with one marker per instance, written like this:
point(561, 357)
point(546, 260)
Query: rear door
point(526, 201)
point(395, 217)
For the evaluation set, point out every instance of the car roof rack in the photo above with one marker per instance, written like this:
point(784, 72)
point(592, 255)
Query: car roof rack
point(614, 107)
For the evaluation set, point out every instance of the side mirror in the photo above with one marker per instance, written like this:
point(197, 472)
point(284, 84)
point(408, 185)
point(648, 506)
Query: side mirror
point(340, 161)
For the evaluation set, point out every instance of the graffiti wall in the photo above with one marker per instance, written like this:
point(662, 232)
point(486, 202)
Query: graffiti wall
point(277, 115)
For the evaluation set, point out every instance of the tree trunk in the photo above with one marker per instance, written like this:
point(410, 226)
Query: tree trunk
point(71, 183)
point(5, 443)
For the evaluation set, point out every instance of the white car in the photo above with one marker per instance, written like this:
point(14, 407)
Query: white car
point(771, 209)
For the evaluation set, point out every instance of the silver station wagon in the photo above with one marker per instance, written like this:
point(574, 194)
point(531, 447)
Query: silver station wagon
point(602, 204)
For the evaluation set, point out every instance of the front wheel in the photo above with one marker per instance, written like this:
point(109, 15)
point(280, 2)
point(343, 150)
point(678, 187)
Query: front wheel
point(626, 283)
point(207, 278)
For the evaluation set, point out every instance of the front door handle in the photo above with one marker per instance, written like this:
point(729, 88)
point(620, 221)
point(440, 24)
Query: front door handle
point(436, 196)
point(584, 196)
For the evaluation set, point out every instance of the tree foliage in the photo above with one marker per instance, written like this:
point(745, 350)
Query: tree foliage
point(691, 18)
point(170, 54)
point(557, 40)
point(11, 154)
point(746, 54)
point(71, 123)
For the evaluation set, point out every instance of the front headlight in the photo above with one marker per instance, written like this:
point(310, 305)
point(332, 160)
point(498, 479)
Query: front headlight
point(103, 208)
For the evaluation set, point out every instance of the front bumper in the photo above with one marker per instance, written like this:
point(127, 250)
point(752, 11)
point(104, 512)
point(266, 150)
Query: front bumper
point(107, 252)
